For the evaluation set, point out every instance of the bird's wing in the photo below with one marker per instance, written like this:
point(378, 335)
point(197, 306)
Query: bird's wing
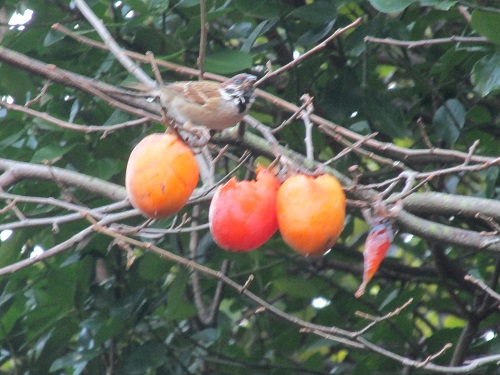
point(199, 92)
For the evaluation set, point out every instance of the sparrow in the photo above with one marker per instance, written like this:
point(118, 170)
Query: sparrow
point(214, 105)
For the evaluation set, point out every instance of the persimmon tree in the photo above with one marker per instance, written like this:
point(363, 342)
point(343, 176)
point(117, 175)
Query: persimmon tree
point(398, 100)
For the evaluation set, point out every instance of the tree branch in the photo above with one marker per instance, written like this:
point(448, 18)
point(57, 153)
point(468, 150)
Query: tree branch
point(451, 205)
point(17, 170)
point(433, 231)
point(124, 60)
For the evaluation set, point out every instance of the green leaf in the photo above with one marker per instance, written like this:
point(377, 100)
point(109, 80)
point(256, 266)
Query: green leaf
point(51, 153)
point(15, 83)
point(188, 3)
point(259, 8)
point(391, 6)
point(487, 24)
point(492, 175)
point(208, 336)
point(108, 329)
point(438, 4)
point(104, 168)
point(449, 120)
point(72, 359)
point(319, 12)
point(296, 287)
point(314, 34)
point(149, 355)
point(10, 248)
point(117, 117)
point(486, 74)
point(228, 61)
point(151, 268)
point(75, 108)
point(383, 114)
point(479, 114)
point(52, 37)
point(259, 30)
point(178, 306)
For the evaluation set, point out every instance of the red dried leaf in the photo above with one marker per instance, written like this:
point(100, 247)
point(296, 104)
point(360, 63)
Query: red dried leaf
point(377, 243)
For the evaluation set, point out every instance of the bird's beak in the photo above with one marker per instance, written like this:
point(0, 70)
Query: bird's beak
point(249, 82)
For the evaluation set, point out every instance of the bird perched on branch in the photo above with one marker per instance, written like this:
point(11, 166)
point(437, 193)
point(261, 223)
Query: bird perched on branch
point(211, 104)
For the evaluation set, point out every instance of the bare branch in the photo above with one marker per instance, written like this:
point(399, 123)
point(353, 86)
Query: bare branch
point(451, 205)
point(126, 62)
point(466, 369)
point(293, 117)
point(446, 234)
point(98, 88)
point(378, 319)
point(305, 116)
point(332, 333)
point(309, 53)
point(67, 125)
point(24, 222)
point(483, 286)
point(220, 276)
point(353, 147)
point(39, 96)
point(65, 245)
point(203, 38)
point(21, 170)
point(427, 42)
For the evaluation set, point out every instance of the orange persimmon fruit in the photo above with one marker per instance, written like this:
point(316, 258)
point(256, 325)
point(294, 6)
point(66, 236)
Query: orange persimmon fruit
point(242, 214)
point(311, 212)
point(161, 175)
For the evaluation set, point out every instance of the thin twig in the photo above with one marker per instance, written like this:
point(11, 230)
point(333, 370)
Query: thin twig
point(483, 286)
point(470, 153)
point(68, 125)
point(247, 283)
point(425, 136)
point(65, 245)
point(39, 96)
point(435, 355)
point(308, 53)
point(195, 275)
point(115, 49)
point(465, 369)
point(409, 177)
point(135, 55)
point(220, 276)
point(350, 148)
point(464, 12)
point(154, 67)
point(216, 301)
point(427, 176)
point(441, 155)
point(305, 116)
point(427, 42)
point(378, 319)
point(339, 137)
point(203, 38)
point(335, 338)
point(293, 117)
point(490, 221)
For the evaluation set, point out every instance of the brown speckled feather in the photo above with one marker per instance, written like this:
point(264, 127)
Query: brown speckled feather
point(199, 92)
